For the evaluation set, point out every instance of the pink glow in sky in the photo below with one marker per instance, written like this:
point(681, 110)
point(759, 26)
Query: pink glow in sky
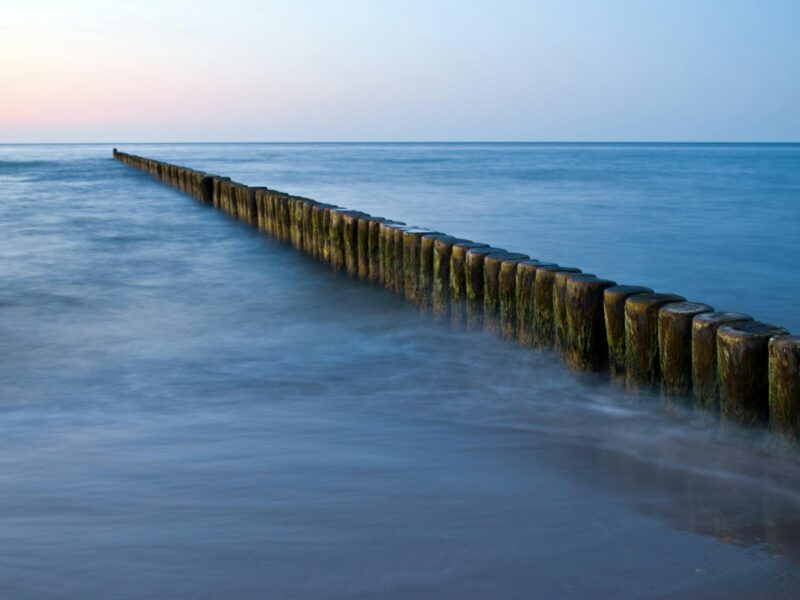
point(359, 70)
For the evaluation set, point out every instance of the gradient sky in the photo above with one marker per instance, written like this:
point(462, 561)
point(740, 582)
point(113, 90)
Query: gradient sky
point(91, 70)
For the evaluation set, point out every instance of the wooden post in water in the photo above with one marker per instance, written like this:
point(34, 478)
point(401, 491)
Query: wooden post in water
point(374, 252)
point(473, 277)
point(337, 236)
point(705, 384)
point(544, 317)
point(586, 340)
point(427, 251)
point(675, 347)
point(743, 371)
point(350, 232)
point(458, 280)
point(784, 387)
point(492, 303)
point(525, 287)
point(412, 251)
point(560, 311)
point(363, 245)
point(614, 315)
point(642, 366)
point(508, 296)
point(440, 290)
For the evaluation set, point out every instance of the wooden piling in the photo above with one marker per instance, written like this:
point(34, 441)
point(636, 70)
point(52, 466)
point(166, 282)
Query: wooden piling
point(743, 371)
point(642, 366)
point(507, 284)
point(337, 240)
point(560, 311)
point(705, 385)
point(525, 301)
point(440, 291)
point(458, 280)
point(492, 267)
point(675, 347)
point(784, 387)
point(586, 345)
point(544, 317)
point(614, 314)
point(427, 255)
point(412, 251)
point(473, 276)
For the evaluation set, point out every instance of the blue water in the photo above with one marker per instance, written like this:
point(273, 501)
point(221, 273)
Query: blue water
point(190, 409)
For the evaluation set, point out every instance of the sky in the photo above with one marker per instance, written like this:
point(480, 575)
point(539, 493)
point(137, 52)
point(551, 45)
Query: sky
point(432, 70)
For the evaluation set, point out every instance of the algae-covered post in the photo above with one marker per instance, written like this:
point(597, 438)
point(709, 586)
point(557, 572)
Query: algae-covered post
point(508, 296)
point(525, 300)
point(586, 340)
point(705, 384)
point(473, 277)
point(440, 292)
point(560, 311)
point(458, 280)
point(492, 302)
point(784, 387)
point(642, 366)
point(544, 320)
point(675, 347)
point(427, 256)
point(614, 315)
point(743, 371)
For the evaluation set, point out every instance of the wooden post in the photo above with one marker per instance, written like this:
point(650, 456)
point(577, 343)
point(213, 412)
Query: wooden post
point(675, 347)
point(492, 266)
point(526, 299)
point(614, 315)
point(426, 259)
point(642, 369)
point(440, 291)
point(544, 317)
point(784, 387)
point(458, 280)
point(412, 251)
point(743, 371)
point(473, 275)
point(586, 340)
point(560, 311)
point(705, 385)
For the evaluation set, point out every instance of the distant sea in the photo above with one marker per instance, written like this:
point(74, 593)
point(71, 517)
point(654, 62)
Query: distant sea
point(191, 409)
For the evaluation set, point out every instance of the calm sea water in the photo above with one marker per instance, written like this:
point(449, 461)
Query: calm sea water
point(190, 409)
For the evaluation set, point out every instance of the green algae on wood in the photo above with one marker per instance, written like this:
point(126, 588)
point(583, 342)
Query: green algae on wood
point(473, 279)
point(675, 347)
point(496, 288)
point(458, 280)
point(412, 250)
point(705, 385)
point(440, 292)
point(427, 256)
point(544, 317)
point(642, 365)
point(614, 316)
point(525, 300)
point(507, 284)
point(586, 346)
point(560, 311)
point(743, 371)
point(784, 387)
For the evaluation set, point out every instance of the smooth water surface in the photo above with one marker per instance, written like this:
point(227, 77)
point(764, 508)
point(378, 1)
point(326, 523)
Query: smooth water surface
point(190, 409)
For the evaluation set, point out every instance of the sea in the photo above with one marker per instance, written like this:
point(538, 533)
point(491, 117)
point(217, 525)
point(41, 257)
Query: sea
point(191, 409)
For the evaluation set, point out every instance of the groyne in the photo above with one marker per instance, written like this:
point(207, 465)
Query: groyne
point(725, 365)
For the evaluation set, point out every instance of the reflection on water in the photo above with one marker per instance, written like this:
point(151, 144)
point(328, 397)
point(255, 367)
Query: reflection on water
point(190, 409)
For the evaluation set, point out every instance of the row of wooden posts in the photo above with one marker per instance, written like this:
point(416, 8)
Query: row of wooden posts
point(722, 363)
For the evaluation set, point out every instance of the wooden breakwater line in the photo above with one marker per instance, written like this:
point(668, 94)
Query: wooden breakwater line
point(727, 365)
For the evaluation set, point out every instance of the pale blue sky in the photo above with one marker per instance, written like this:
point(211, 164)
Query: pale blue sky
point(182, 70)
